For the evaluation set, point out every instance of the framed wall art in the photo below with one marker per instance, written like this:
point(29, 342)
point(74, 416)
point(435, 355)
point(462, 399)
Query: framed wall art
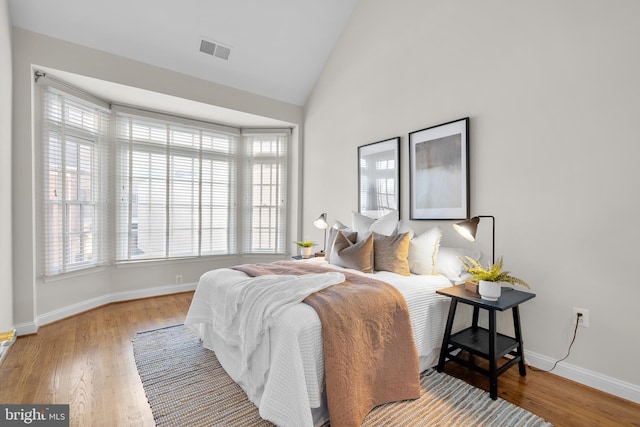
point(379, 177)
point(439, 171)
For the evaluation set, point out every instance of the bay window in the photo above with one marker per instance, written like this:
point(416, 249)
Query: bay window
point(179, 187)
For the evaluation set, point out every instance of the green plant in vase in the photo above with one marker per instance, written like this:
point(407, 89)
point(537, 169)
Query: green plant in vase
point(306, 246)
point(489, 278)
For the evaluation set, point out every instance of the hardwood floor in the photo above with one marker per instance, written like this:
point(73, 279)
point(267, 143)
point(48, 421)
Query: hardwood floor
point(87, 361)
point(558, 400)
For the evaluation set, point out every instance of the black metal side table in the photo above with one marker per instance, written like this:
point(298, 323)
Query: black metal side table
point(486, 343)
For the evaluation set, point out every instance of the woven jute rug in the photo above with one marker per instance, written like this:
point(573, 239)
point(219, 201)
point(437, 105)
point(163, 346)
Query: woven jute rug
point(186, 386)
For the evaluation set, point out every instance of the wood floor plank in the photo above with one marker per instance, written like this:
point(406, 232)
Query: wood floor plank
point(558, 400)
point(87, 361)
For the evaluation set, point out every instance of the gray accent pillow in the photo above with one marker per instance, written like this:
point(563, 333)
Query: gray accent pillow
point(391, 253)
point(333, 232)
point(358, 256)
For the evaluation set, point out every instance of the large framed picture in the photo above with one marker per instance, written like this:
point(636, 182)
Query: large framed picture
point(379, 177)
point(439, 171)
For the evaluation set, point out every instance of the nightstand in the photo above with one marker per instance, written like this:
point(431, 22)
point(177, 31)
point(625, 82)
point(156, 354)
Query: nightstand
point(486, 343)
point(316, 255)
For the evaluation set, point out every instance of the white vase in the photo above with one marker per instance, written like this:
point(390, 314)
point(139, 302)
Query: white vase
point(489, 291)
point(306, 252)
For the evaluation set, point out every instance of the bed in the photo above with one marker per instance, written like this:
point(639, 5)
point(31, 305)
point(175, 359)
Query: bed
point(284, 374)
point(291, 394)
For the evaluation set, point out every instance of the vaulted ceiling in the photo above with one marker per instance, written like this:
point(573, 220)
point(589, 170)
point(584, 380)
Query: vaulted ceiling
point(277, 48)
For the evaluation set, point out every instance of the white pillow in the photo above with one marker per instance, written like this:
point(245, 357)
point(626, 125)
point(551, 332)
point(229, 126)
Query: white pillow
point(423, 250)
point(339, 226)
point(405, 227)
point(448, 264)
point(363, 225)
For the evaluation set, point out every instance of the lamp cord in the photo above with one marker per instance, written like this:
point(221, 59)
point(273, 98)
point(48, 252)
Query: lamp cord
point(575, 333)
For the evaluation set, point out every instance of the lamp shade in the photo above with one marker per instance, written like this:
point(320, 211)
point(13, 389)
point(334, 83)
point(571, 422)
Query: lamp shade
point(468, 228)
point(321, 222)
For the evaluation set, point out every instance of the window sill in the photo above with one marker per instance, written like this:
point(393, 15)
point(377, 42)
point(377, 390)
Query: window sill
point(208, 258)
point(72, 274)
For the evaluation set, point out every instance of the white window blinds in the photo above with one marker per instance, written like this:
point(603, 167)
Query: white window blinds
point(265, 179)
point(176, 189)
point(182, 187)
point(75, 163)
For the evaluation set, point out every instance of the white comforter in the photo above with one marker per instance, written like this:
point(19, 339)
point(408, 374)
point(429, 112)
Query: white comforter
point(242, 312)
point(281, 366)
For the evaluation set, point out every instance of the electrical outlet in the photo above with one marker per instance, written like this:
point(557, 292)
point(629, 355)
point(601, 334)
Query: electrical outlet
point(582, 320)
point(178, 279)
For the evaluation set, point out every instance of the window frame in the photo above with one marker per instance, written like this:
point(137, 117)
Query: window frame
point(240, 242)
point(278, 159)
point(56, 255)
point(109, 240)
point(170, 153)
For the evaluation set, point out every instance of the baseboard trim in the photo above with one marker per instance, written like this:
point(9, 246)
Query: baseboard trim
point(27, 328)
point(592, 379)
point(71, 310)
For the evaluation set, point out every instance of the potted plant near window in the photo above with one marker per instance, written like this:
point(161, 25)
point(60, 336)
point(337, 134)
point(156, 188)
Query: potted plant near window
point(306, 247)
point(490, 279)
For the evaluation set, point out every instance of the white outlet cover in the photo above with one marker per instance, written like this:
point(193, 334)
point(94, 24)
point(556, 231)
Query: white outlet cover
point(584, 320)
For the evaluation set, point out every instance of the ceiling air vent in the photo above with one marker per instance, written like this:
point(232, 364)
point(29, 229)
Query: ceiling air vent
point(215, 49)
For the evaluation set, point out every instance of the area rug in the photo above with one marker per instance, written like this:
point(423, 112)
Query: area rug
point(186, 386)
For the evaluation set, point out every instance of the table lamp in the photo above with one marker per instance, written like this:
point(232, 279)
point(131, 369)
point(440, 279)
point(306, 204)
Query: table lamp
point(322, 224)
point(469, 227)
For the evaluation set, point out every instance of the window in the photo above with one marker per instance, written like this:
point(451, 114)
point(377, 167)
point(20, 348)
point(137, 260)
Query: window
point(176, 189)
point(75, 162)
point(180, 187)
point(266, 188)
point(179, 193)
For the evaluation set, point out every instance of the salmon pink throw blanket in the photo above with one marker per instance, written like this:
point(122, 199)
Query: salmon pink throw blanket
point(369, 354)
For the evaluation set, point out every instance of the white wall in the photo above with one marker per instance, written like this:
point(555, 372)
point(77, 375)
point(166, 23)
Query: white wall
point(6, 280)
point(553, 95)
point(37, 301)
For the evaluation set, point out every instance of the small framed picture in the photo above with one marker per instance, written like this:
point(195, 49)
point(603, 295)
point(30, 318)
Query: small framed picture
point(439, 171)
point(379, 177)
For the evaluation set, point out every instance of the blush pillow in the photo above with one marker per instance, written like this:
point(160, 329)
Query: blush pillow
point(358, 256)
